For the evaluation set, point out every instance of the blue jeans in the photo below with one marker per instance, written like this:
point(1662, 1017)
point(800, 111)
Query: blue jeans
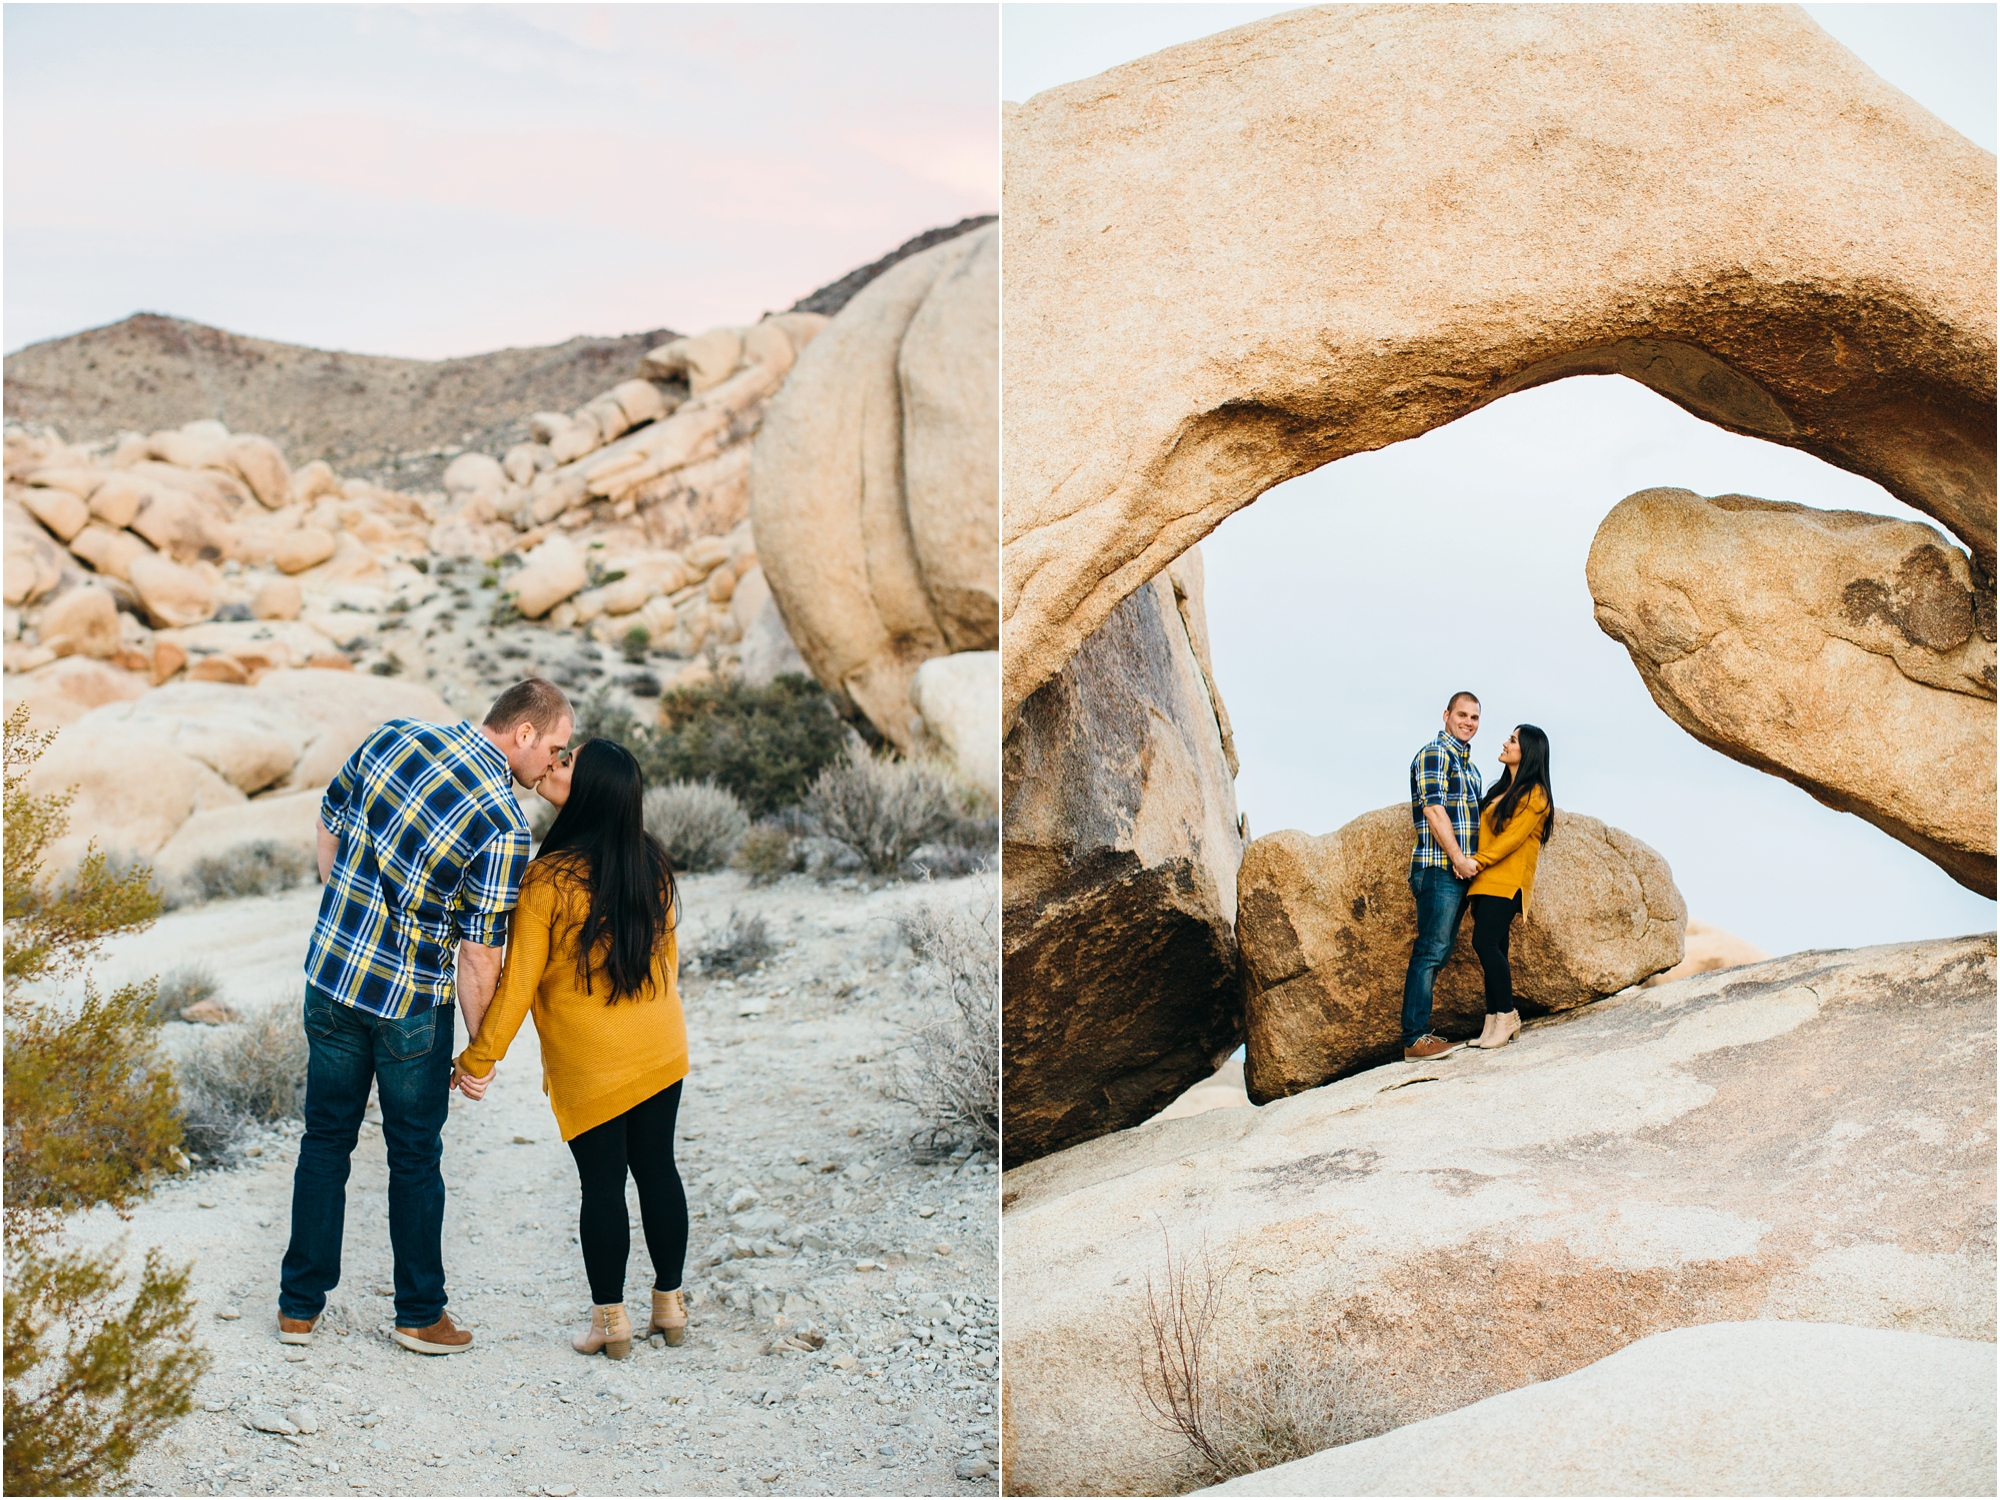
point(1440, 904)
point(410, 1061)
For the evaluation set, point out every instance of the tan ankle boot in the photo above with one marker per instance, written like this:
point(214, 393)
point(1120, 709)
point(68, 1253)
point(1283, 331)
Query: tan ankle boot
point(1505, 1028)
point(1485, 1032)
point(610, 1330)
point(670, 1316)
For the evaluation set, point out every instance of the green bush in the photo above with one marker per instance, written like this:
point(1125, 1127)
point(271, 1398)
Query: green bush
point(259, 869)
point(767, 852)
point(91, 1117)
point(698, 822)
point(882, 808)
point(765, 744)
point(243, 1075)
point(738, 946)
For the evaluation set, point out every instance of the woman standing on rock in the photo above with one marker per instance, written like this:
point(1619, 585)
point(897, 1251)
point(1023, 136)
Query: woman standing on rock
point(592, 952)
point(1515, 820)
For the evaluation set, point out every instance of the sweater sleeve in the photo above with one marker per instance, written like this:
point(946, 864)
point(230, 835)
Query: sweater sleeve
point(1524, 825)
point(520, 977)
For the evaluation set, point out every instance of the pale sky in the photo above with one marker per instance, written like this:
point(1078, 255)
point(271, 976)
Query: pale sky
point(438, 180)
point(1334, 670)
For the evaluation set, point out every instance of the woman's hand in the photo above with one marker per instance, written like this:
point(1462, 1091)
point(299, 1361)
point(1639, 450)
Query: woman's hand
point(473, 1088)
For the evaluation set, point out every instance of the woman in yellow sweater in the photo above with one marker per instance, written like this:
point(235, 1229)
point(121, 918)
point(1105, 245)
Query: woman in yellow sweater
point(1515, 820)
point(592, 953)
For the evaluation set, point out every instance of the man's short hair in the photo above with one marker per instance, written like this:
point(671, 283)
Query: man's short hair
point(532, 700)
point(1461, 693)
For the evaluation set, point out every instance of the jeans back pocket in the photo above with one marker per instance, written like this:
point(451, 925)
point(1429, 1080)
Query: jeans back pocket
point(410, 1037)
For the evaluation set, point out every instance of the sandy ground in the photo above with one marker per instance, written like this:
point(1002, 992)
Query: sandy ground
point(812, 1214)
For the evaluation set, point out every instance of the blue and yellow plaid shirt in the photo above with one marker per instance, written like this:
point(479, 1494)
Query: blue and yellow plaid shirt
point(1443, 775)
point(432, 849)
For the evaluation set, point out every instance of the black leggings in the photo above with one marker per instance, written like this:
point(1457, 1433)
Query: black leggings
point(1492, 917)
point(641, 1140)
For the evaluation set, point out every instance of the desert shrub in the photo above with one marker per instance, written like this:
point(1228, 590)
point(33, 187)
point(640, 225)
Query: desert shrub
point(181, 988)
point(882, 808)
point(90, 1381)
point(766, 853)
point(242, 1075)
point(737, 947)
point(635, 643)
point(260, 869)
point(765, 744)
point(699, 823)
point(1239, 1415)
point(948, 1066)
point(89, 1119)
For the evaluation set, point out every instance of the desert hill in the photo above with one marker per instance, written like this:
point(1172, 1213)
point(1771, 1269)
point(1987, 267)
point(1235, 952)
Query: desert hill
point(397, 422)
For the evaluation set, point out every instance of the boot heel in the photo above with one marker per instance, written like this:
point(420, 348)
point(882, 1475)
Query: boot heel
point(675, 1337)
point(617, 1348)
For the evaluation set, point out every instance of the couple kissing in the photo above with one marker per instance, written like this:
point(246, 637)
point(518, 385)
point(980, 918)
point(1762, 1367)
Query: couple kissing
point(1473, 848)
point(428, 887)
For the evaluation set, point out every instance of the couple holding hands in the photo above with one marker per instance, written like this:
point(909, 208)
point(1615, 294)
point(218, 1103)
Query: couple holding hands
point(428, 886)
point(1475, 848)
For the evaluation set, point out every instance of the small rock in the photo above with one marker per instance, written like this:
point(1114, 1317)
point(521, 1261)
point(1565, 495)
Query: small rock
point(371, 1419)
point(294, 1354)
point(974, 1468)
point(846, 1362)
point(944, 1249)
point(559, 1490)
point(379, 1446)
point(263, 1419)
point(208, 1013)
point(215, 1406)
point(229, 1314)
point(741, 1199)
point(381, 1289)
point(204, 1203)
point(253, 1150)
point(302, 1417)
point(524, 1140)
point(769, 1476)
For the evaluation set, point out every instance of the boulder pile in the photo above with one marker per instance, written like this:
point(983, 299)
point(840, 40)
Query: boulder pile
point(627, 515)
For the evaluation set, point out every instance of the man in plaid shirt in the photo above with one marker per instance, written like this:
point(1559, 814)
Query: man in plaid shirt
point(1444, 803)
point(421, 849)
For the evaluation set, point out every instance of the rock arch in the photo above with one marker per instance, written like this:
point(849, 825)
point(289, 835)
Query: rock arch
point(1240, 259)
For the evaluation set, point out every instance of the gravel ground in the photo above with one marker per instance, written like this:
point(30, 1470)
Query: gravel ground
point(816, 1223)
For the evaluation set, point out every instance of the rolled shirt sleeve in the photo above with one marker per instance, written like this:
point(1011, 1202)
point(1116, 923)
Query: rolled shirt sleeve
point(490, 888)
point(336, 806)
point(1433, 777)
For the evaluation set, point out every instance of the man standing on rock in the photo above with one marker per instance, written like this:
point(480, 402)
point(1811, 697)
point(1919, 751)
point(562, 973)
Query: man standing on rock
point(421, 849)
point(1444, 802)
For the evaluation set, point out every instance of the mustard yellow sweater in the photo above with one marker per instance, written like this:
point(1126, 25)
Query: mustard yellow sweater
point(1507, 856)
point(598, 1060)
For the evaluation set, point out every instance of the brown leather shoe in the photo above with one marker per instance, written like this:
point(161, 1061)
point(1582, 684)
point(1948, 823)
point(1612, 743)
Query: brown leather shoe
point(442, 1337)
point(1428, 1048)
point(295, 1330)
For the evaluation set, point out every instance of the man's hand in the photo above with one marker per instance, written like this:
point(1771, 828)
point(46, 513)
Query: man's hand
point(473, 1088)
point(1463, 868)
point(328, 849)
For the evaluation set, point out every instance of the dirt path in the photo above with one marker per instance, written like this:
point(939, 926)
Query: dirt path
point(811, 1215)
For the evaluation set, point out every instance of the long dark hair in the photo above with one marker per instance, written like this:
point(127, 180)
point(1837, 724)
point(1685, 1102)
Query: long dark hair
point(1533, 771)
point(600, 836)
